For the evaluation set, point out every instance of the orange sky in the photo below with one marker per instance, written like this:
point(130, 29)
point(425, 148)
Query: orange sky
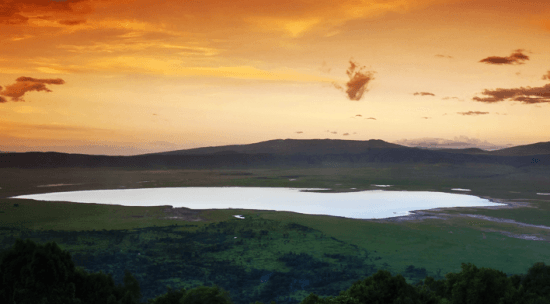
point(123, 77)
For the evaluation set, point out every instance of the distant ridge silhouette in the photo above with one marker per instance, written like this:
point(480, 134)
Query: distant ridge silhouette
point(285, 153)
point(293, 146)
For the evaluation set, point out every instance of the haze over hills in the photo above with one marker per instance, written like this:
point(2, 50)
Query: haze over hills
point(459, 142)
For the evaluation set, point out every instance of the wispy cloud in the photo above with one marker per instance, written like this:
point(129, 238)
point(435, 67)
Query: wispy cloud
point(447, 98)
point(71, 22)
point(358, 81)
point(444, 56)
point(546, 76)
point(424, 94)
point(345, 134)
point(26, 84)
point(371, 118)
point(426, 117)
point(472, 113)
point(325, 68)
point(358, 115)
point(299, 132)
point(516, 58)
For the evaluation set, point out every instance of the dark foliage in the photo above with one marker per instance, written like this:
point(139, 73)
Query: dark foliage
point(32, 273)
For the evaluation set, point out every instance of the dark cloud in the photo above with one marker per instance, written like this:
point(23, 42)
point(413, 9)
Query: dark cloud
point(11, 12)
point(472, 113)
point(546, 76)
point(516, 58)
point(443, 56)
point(358, 81)
point(71, 22)
point(334, 132)
point(299, 132)
point(447, 97)
point(2, 99)
point(26, 84)
point(526, 95)
point(371, 118)
point(345, 134)
point(359, 115)
point(424, 94)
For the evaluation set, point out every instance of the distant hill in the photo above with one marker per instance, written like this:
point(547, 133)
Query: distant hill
point(292, 147)
point(283, 153)
point(464, 151)
point(532, 149)
point(542, 148)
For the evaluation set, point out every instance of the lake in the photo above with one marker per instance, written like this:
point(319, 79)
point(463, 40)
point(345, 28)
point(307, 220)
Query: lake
point(372, 204)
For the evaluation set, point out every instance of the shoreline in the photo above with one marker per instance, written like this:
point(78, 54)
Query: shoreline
point(438, 213)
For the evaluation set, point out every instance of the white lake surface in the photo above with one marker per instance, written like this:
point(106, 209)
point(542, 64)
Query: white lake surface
point(361, 204)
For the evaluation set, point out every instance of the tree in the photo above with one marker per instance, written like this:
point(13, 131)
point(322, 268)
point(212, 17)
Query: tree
point(478, 286)
point(131, 286)
point(206, 295)
point(382, 287)
point(170, 297)
point(36, 274)
point(537, 282)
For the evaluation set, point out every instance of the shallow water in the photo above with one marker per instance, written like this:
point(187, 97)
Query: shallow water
point(360, 204)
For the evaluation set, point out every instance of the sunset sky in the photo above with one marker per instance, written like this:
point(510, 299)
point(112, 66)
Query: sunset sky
point(125, 77)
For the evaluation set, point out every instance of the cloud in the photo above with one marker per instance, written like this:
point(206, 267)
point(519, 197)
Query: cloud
point(526, 95)
point(424, 94)
point(334, 132)
point(371, 118)
point(71, 22)
point(447, 98)
point(299, 132)
point(359, 115)
point(546, 76)
point(472, 113)
point(426, 117)
point(516, 58)
point(13, 12)
point(459, 142)
point(26, 84)
point(345, 134)
point(358, 81)
point(443, 56)
point(324, 68)
point(3, 100)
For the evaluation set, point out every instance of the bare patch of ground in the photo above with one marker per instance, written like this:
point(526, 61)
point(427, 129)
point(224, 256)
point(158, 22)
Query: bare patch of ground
point(183, 214)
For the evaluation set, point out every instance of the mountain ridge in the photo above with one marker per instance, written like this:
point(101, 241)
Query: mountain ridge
point(340, 146)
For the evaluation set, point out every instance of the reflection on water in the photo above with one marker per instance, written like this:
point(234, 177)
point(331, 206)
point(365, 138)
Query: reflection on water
point(361, 204)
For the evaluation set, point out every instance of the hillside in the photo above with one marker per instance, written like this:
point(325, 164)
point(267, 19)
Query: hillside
point(525, 150)
point(292, 146)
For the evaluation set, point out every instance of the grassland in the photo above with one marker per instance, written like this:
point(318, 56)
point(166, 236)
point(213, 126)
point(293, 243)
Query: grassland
point(108, 237)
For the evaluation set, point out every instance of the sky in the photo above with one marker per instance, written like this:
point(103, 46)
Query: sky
point(126, 77)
